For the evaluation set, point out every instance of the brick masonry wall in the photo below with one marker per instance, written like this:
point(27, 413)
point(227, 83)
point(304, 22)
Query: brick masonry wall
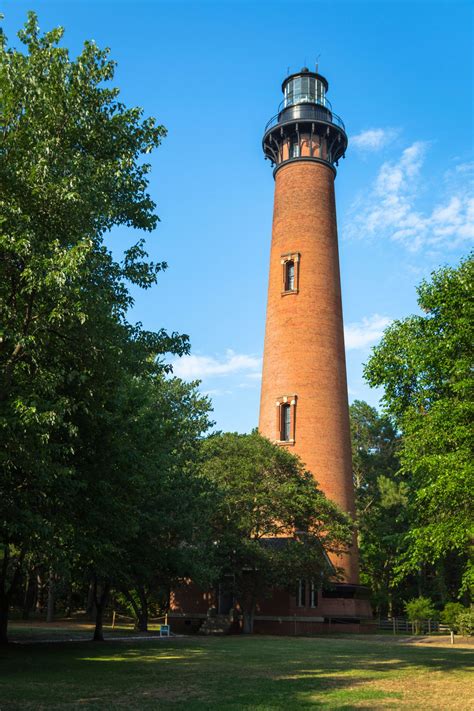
point(304, 340)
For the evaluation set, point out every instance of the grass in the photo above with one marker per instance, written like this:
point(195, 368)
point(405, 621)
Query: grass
point(78, 628)
point(24, 632)
point(233, 673)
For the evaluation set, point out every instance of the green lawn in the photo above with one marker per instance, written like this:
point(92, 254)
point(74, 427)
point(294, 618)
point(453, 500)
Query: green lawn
point(47, 632)
point(235, 673)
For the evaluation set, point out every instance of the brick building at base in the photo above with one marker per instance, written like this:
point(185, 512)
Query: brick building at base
point(305, 611)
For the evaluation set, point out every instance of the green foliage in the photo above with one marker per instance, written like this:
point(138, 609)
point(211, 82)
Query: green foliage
point(72, 167)
point(171, 533)
point(465, 622)
point(424, 364)
point(450, 614)
point(374, 445)
point(271, 524)
point(381, 499)
point(419, 609)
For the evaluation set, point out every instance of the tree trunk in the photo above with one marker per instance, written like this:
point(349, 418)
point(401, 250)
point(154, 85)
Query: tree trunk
point(99, 626)
point(4, 596)
point(248, 615)
point(68, 610)
point(4, 607)
point(6, 591)
point(140, 611)
point(420, 582)
point(100, 603)
point(30, 596)
point(441, 579)
point(390, 604)
point(142, 621)
point(50, 604)
point(40, 593)
point(90, 607)
point(143, 615)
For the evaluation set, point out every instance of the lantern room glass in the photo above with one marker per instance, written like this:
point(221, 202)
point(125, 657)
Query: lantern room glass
point(304, 90)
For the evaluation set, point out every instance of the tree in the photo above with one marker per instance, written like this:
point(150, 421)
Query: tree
point(172, 536)
point(424, 364)
point(71, 168)
point(271, 523)
point(374, 447)
point(418, 610)
point(381, 498)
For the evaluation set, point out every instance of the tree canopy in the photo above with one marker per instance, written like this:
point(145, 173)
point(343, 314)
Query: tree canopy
point(72, 365)
point(424, 364)
point(381, 503)
point(263, 495)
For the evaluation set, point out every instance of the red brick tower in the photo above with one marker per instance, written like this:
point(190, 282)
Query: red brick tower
point(304, 390)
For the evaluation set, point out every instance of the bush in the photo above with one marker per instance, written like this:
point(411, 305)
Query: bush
point(465, 622)
point(419, 609)
point(450, 614)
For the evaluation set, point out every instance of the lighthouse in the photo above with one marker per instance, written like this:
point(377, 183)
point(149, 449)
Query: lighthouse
point(304, 404)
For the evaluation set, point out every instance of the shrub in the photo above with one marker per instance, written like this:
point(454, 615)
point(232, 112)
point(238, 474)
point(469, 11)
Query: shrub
point(419, 609)
point(450, 614)
point(465, 622)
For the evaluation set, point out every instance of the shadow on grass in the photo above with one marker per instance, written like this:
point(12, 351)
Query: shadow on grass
point(73, 634)
point(226, 673)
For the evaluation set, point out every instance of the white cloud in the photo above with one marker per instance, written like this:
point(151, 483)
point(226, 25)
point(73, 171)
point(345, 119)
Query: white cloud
point(374, 138)
point(217, 392)
point(465, 167)
point(252, 380)
point(365, 333)
point(197, 367)
point(390, 208)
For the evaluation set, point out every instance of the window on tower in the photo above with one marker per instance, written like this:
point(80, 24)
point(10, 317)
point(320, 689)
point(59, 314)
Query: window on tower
point(286, 420)
point(285, 423)
point(295, 149)
point(290, 273)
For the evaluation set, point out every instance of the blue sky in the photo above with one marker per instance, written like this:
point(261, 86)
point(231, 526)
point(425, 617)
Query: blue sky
point(400, 76)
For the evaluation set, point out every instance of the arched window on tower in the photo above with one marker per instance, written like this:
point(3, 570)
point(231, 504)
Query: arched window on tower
point(289, 275)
